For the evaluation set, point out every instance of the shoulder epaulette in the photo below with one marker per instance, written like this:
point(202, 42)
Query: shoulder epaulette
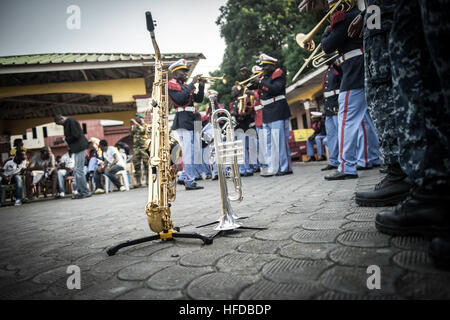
point(174, 85)
point(277, 73)
point(337, 17)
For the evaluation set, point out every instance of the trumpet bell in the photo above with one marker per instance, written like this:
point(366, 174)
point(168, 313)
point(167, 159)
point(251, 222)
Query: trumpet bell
point(303, 42)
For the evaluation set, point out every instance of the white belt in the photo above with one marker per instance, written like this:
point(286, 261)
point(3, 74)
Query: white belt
point(259, 107)
point(272, 100)
point(351, 54)
point(191, 109)
point(330, 93)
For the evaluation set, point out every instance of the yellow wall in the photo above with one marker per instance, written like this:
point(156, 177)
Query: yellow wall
point(121, 90)
point(307, 95)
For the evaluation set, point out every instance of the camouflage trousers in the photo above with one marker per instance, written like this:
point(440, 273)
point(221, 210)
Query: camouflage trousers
point(420, 75)
point(378, 84)
point(140, 159)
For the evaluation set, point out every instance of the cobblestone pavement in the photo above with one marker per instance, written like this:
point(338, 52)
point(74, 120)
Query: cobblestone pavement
point(318, 245)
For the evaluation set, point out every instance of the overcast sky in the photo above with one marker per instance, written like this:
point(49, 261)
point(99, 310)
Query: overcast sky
point(40, 26)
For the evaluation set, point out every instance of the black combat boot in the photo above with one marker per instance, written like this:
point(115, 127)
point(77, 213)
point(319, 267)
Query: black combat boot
point(311, 159)
point(390, 191)
point(424, 212)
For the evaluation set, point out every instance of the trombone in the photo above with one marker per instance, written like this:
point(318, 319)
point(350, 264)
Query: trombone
point(317, 59)
point(305, 41)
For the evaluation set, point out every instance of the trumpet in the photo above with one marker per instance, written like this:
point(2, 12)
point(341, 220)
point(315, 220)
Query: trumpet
point(240, 84)
point(214, 79)
point(305, 41)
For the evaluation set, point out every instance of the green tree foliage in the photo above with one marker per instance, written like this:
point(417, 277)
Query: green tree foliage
point(252, 27)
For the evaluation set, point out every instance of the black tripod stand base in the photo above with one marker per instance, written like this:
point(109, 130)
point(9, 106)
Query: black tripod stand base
point(163, 235)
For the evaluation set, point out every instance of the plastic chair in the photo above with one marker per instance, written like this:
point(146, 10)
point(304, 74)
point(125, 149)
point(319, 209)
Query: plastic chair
point(125, 181)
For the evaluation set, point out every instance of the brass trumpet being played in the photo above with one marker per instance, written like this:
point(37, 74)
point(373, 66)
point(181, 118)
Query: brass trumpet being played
point(240, 84)
point(223, 79)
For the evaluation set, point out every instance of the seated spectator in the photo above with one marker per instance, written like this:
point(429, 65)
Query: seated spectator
point(12, 173)
point(18, 143)
point(124, 149)
point(65, 167)
point(91, 163)
point(111, 164)
point(42, 167)
point(318, 126)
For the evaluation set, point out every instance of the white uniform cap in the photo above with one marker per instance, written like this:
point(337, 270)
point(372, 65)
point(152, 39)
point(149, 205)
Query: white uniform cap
point(256, 69)
point(180, 64)
point(264, 58)
point(315, 114)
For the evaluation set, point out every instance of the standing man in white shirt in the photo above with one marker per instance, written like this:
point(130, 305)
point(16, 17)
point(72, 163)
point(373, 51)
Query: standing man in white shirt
point(112, 163)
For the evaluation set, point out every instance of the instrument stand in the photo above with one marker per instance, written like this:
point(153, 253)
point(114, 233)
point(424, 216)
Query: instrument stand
point(217, 221)
point(170, 235)
point(224, 232)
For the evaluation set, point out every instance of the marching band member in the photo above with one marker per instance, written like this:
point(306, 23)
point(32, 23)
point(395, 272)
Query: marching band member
point(331, 92)
point(245, 132)
point(352, 102)
point(182, 96)
point(261, 144)
point(276, 115)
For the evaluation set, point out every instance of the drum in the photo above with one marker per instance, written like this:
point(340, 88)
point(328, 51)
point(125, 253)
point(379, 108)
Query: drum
point(207, 134)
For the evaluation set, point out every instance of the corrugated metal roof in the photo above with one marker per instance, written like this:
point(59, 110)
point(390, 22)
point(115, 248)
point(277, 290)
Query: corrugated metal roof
point(60, 58)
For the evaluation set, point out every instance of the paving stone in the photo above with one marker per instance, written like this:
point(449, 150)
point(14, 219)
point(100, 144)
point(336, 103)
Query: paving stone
point(362, 257)
point(417, 261)
point(261, 246)
point(316, 236)
point(411, 243)
point(329, 215)
point(274, 234)
point(142, 270)
point(360, 226)
point(364, 239)
point(333, 295)
point(268, 290)
point(363, 214)
point(203, 258)
point(243, 263)
point(114, 264)
point(149, 294)
point(51, 276)
point(425, 286)
point(315, 251)
point(294, 270)
point(175, 277)
point(20, 290)
point(300, 210)
point(218, 286)
point(106, 290)
point(353, 280)
point(323, 224)
point(173, 253)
